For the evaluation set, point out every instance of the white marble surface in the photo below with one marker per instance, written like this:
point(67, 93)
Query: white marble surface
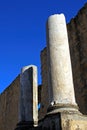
point(61, 89)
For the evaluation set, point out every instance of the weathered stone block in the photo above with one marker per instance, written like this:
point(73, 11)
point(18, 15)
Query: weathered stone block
point(73, 121)
point(28, 110)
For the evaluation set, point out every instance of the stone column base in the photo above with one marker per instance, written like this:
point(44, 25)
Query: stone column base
point(59, 107)
point(65, 121)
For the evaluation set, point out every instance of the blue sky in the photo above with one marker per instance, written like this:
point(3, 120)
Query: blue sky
point(23, 32)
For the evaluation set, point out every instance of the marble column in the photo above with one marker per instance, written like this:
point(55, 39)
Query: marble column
point(61, 89)
point(28, 111)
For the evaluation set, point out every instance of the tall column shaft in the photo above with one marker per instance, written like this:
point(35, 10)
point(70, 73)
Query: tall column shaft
point(28, 110)
point(61, 90)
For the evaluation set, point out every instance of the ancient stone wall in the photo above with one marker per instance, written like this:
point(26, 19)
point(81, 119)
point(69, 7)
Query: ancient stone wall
point(9, 106)
point(44, 90)
point(77, 33)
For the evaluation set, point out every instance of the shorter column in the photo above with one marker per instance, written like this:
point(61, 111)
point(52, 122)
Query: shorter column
point(28, 105)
